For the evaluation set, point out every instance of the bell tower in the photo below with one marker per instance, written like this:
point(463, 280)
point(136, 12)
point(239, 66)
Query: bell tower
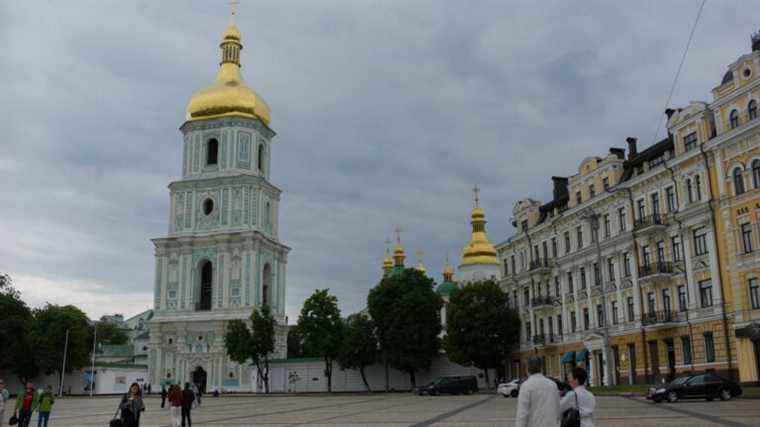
point(222, 256)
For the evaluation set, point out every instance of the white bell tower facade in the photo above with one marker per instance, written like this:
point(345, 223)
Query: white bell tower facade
point(222, 257)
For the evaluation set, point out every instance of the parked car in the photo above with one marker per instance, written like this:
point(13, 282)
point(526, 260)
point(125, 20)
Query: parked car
point(707, 385)
point(450, 385)
point(512, 388)
point(509, 389)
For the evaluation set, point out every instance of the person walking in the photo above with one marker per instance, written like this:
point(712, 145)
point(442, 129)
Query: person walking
point(47, 399)
point(175, 402)
point(4, 398)
point(188, 397)
point(163, 396)
point(538, 400)
point(27, 402)
point(132, 406)
point(579, 398)
point(198, 393)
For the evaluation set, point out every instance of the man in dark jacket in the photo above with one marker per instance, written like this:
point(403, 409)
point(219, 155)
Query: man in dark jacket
point(163, 396)
point(187, 404)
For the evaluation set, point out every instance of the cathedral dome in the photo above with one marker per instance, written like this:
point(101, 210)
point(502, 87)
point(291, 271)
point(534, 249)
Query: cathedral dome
point(228, 95)
point(479, 251)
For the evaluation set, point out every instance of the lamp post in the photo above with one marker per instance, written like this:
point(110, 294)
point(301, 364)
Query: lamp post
point(593, 218)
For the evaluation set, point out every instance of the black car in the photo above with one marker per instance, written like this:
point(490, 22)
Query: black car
point(707, 385)
point(451, 385)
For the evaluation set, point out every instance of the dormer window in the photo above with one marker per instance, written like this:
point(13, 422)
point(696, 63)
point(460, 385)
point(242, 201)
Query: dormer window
point(578, 198)
point(212, 151)
point(591, 191)
point(606, 183)
point(733, 119)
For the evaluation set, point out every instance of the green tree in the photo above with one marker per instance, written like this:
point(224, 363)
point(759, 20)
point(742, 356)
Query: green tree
point(108, 333)
point(322, 329)
point(359, 347)
point(481, 329)
point(16, 329)
point(296, 343)
point(49, 337)
point(406, 312)
point(255, 344)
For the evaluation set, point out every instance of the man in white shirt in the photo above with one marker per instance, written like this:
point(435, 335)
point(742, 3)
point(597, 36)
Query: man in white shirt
point(538, 399)
point(586, 401)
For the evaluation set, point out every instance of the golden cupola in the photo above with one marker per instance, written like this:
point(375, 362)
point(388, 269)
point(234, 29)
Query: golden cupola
point(399, 255)
point(479, 251)
point(228, 95)
point(387, 261)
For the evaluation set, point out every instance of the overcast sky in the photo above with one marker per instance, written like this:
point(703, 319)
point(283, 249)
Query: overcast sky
point(387, 113)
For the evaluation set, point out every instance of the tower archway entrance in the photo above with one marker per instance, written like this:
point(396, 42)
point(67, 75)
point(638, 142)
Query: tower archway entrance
point(199, 379)
point(266, 289)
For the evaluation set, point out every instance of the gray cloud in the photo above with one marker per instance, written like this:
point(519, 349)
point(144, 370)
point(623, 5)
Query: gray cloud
point(387, 113)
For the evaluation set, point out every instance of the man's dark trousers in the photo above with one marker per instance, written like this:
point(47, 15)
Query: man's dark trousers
point(186, 414)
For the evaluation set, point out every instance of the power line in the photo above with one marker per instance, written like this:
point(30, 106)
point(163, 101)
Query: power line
point(680, 66)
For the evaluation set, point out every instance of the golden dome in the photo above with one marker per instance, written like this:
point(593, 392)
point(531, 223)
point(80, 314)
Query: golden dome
point(399, 255)
point(479, 250)
point(228, 95)
point(448, 272)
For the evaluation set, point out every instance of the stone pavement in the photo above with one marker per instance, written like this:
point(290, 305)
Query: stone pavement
point(403, 410)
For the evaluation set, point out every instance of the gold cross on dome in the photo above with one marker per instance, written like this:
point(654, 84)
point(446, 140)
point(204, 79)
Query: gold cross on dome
point(476, 191)
point(397, 230)
point(418, 253)
point(234, 4)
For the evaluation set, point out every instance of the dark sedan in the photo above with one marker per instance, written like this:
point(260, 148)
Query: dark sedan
point(707, 385)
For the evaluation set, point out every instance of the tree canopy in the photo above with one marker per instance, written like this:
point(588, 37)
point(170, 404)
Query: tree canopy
point(255, 344)
point(359, 347)
point(481, 329)
point(16, 330)
point(322, 328)
point(406, 312)
point(51, 324)
point(109, 333)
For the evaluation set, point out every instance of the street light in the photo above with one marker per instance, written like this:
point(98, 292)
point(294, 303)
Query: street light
point(593, 217)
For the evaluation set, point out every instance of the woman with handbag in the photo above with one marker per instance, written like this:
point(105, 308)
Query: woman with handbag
point(132, 406)
point(175, 402)
point(577, 406)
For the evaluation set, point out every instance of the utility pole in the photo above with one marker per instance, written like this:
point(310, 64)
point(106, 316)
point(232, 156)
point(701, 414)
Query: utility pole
point(63, 368)
point(606, 350)
point(92, 371)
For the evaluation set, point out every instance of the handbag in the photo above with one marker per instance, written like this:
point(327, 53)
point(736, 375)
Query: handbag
point(13, 420)
point(572, 417)
point(116, 421)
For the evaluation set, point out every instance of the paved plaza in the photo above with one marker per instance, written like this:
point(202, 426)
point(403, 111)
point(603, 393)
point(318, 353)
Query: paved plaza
point(404, 410)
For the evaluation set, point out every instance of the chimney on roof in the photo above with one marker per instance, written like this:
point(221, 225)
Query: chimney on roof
point(755, 41)
point(618, 152)
point(631, 146)
point(669, 112)
point(560, 187)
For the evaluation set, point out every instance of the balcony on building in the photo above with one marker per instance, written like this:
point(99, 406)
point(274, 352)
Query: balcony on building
point(542, 302)
point(539, 339)
point(651, 223)
point(661, 317)
point(540, 265)
point(657, 271)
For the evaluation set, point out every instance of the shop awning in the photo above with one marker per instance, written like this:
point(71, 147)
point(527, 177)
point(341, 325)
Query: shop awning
point(569, 357)
point(581, 355)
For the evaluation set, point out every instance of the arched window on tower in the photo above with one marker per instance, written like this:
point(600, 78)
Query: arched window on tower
point(752, 110)
point(738, 181)
point(689, 190)
point(756, 173)
point(266, 284)
point(207, 275)
point(212, 151)
point(260, 158)
point(733, 119)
